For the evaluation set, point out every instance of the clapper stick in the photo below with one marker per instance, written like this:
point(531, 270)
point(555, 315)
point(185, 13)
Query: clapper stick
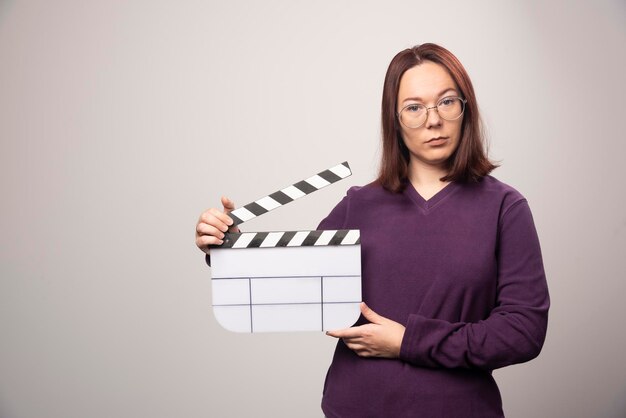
point(291, 239)
point(281, 198)
point(291, 193)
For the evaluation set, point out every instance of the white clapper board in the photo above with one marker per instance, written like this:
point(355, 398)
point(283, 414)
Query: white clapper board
point(287, 280)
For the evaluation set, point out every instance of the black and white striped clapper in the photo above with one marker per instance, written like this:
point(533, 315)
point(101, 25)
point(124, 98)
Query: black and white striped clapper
point(291, 193)
point(287, 280)
point(291, 239)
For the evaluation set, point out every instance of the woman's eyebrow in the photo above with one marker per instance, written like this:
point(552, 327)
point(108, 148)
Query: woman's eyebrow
point(419, 99)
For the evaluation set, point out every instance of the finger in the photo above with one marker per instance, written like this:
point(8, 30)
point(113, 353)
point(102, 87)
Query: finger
point(334, 333)
point(205, 241)
point(361, 350)
point(354, 346)
point(370, 315)
point(364, 353)
point(345, 333)
point(221, 216)
point(216, 218)
point(206, 229)
point(228, 204)
point(337, 333)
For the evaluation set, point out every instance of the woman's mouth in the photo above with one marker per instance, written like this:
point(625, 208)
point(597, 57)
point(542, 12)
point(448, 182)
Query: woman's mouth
point(437, 141)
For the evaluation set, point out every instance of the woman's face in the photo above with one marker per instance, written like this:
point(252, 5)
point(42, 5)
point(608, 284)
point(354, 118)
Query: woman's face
point(436, 140)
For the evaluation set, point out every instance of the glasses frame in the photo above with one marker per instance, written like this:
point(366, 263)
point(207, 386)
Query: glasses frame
point(463, 101)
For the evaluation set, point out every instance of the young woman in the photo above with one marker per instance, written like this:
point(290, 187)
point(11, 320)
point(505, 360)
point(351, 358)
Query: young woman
point(453, 278)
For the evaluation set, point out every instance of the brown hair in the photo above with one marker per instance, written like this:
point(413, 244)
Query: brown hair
point(469, 163)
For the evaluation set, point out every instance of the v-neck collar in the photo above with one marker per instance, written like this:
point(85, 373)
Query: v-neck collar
point(436, 199)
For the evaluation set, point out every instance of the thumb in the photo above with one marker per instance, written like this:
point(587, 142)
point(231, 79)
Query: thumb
point(228, 204)
point(370, 315)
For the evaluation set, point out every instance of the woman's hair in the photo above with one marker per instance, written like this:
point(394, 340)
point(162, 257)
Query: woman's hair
point(469, 163)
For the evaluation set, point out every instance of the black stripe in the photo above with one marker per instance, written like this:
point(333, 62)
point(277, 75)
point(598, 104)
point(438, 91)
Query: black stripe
point(311, 238)
point(284, 240)
point(236, 220)
point(230, 238)
point(358, 241)
point(255, 208)
point(345, 164)
point(281, 197)
point(339, 236)
point(258, 239)
point(329, 176)
point(305, 187)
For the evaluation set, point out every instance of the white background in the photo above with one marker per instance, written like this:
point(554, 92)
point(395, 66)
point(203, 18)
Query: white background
point(121, 120)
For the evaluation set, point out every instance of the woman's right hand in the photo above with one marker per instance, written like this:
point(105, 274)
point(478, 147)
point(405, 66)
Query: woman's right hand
point(212, 225)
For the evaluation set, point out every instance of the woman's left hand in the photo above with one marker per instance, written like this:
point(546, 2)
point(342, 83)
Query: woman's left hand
point(382, 337)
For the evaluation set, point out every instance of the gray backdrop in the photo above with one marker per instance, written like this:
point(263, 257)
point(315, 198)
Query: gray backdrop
point(121, 121)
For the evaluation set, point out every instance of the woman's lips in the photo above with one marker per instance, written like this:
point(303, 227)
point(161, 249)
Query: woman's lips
point(437, 141)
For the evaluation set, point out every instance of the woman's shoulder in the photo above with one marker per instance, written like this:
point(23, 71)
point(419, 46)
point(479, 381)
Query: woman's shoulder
point(492, 184)
point(495, 190)
point(370, 191)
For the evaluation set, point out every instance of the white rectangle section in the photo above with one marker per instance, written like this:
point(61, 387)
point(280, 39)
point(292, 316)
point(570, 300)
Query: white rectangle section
point(243, 241)
point(351, 237)
point(342, 289)
point(231, 291)
point(268, 203)
point(233, 318)
point(243, 214)
point(341, 170)
point(280, 318)
point(331, 260)
point(298, 239)
point(340, 315)
point(325, 238)
point(271, 239)
point(317, 181)
point(287, 290)
point(293, 193)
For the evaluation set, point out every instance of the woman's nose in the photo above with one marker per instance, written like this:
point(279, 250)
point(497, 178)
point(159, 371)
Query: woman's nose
point(432, 117)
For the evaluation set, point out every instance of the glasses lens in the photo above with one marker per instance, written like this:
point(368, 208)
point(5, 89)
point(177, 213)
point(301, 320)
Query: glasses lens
point(413, 115)
point(450, 108)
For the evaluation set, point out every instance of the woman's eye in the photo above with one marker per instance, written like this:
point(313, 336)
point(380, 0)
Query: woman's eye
point(447, 101)
point(414, 108)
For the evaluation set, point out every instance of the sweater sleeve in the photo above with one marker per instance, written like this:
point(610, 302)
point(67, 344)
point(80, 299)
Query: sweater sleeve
point(514, 331)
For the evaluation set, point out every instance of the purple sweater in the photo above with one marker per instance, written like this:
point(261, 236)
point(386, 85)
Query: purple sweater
point(463, 272)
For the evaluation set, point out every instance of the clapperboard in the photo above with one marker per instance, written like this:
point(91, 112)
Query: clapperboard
point(288, 280)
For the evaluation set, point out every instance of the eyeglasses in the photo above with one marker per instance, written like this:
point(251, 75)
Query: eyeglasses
point(414, 115)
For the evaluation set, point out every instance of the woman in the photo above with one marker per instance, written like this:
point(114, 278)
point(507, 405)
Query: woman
point(452, 271)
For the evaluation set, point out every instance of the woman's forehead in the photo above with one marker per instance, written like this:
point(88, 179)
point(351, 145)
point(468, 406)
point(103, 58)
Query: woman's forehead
point(425, 81)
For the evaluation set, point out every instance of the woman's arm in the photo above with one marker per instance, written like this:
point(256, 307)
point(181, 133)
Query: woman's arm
point(516, 328)
point(513, 333)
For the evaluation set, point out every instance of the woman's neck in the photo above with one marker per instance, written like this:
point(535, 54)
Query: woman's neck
point(426, 178)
